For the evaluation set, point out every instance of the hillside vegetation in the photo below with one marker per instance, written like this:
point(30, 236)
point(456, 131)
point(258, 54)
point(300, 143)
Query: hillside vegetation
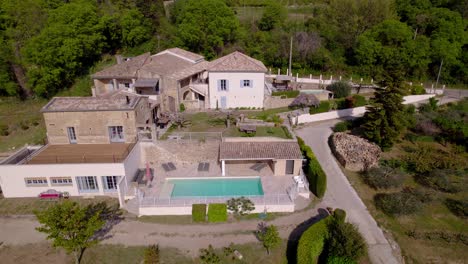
point(48, 44)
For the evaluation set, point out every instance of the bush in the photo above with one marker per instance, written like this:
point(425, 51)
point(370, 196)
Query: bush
point(4, 130)
point(240, 206)
point(198, 213)
point(383, 177)
point(457, 207)
point(342, 126)
point(339, 260)
point(182, 107)
point(417, 89)
point(151, 255)
point(208, 256)
point(24, 125)
point(445, 180)
point(314, 172)
point(339, 215)
point(312, 242)
point(323, 107)
point(339, 89)
point(344, 240)
point(217, 213)
point(305, 100)
point(395, 204)
point(287, 94)
point(359, 100)
point(349, 102)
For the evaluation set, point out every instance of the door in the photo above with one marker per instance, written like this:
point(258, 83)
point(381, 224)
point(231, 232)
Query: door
point(289, 166)
point(223, 102)
point(116, 134)
point(71, 135)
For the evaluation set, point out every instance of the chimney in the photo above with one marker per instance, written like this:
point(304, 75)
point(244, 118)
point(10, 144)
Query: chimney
point(128, 99)
point(119, 59)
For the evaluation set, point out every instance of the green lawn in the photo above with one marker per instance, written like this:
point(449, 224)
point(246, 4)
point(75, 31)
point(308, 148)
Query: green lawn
point(261, 132)
point(24, 122)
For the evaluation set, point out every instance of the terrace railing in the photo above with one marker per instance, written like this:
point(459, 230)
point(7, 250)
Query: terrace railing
point(270, 199)
point(195, 136)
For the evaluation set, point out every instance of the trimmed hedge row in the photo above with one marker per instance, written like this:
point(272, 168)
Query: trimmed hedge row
point(287, 94)
point(312, 242)
point(217, 213)
point(315, 174)
point(198, 212)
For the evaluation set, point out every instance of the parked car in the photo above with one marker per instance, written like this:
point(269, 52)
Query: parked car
point(50, 194)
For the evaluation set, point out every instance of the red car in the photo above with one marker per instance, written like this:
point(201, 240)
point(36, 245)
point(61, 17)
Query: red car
point(50, 194)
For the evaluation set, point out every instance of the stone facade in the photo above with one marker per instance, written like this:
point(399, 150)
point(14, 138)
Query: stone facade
point(92, 127)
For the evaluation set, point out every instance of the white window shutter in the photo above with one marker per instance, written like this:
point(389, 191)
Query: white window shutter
point(227, 85)
point(251, 83)
point(241, 83)
point(219, 85)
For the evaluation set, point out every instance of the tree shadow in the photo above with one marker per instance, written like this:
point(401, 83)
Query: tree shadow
point(293, 239)
point(110, 214)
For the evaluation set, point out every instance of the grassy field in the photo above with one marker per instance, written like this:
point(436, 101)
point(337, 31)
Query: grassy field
point(26, 206)
point(261, 132)
point(434, 217)
point(23, 121)
point(113, 254)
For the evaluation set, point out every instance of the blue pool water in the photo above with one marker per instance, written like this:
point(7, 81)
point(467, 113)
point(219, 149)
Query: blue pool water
point(216, 187)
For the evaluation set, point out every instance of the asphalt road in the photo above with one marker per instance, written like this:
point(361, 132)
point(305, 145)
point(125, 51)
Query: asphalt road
point(340, 194)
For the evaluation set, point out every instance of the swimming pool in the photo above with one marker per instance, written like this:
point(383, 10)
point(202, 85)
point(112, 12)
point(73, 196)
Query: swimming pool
point(216, 187)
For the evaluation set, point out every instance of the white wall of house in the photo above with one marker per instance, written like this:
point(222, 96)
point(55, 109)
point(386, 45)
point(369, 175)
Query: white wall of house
point(235, 95)
point(13, 184)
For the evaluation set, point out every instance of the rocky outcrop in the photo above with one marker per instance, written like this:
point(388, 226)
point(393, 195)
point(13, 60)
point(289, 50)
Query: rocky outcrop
point(354, 153)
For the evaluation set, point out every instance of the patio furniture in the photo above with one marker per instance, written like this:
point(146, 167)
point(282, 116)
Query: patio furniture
point(254, 167)
point(166, 167)
point(140, 178)
point(171, 166)
point(203, 166)
point(258, 166)
point(299, 181)
point(50, 194)
point(248, 128)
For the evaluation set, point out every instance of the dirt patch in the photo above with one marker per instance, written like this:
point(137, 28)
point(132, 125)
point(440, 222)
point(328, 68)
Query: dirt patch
point(183, 152)
point(38, 253)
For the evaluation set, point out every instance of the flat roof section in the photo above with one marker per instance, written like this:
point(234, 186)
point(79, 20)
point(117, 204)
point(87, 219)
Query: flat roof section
point(81, 153)
point(79, 104)
point(259, 150)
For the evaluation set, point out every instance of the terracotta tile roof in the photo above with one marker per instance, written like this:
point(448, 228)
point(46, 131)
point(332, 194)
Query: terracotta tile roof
point(186, 54)
point(237, 62)
point(194, 69)
point(117, 102)
point(259, 150)
point(165, 64)
point(126, 69)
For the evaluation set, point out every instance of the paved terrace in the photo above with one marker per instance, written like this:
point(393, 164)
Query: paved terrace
point(81, 153)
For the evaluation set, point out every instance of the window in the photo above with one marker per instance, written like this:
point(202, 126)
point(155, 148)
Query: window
point(222, 85)
point(71, 135)
point(87, 184)
point(110, 183)
point(246, 83)
point(61, 181)
point(127, 85)
point(116, 134)
point(36, 181)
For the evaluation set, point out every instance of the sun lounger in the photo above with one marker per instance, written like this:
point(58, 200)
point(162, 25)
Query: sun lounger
point(166, 167)
point(255, 166)
point(200, 166)
point(171, 166)
point(260, 167)
point(206, 167)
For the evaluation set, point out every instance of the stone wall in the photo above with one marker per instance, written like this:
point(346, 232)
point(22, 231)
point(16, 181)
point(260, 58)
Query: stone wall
point(277, 102)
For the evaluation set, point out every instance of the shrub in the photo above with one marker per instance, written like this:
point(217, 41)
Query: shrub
point(198, 213)
point(359, 100)
point(182, 107)
point(417, 89)
point(314, 172)
point(208, 256)
point(395, 204)
point(323, 107)
point(341, 126)
point(151, 255)
point(457, 207)
point(439, 235)
point(344, 240)
point(217, 213)
point(339, 89)
point(445, 180)
point(339, 260)
point(24, 125)
point(287, 94)
point(269, 236)
point(383, 177)
point(340, 103)
point(349, 102)
point(305, 100)
point(312, 242)
point(4, 130)
point(240, 206)
point(339, 215)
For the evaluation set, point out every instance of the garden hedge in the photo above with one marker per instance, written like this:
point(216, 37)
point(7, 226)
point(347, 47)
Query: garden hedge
point(323, 107)
point(198, 212)
point(217, 213)
point(287, 94)
point(314, 172)
point(312, 242)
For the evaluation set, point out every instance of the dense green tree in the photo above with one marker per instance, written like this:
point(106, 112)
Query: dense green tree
point(345, 241)
point(205, 26)
point(71, 226)
point(151, 255)
point(273, 15)
point(135, 28)
point(269, 236)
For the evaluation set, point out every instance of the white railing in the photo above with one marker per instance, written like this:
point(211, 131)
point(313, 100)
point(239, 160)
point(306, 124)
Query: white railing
point(198, 136)
point(261, 200)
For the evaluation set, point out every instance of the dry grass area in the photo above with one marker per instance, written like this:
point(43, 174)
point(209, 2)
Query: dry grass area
point(27, 206)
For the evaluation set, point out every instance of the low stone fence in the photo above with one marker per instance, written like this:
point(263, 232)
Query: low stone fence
point(255, 122)
point(357, 111)
point(277, 102)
